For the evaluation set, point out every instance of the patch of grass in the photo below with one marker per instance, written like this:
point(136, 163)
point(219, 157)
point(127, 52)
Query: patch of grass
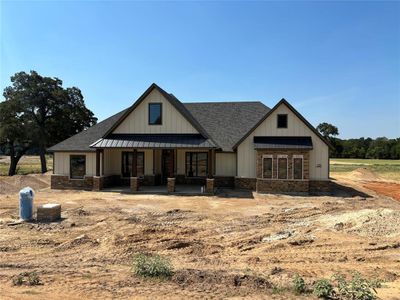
point(29, 164)
point(299, 285)
point(323, 288)
point(155, 266)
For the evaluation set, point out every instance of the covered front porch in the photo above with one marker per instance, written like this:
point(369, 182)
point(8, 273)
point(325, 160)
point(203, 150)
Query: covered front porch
point(164, 164)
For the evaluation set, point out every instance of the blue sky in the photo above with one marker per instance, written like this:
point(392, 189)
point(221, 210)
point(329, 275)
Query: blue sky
point(335, 62)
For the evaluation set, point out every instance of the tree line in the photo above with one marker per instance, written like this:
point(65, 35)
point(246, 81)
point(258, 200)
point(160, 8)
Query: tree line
point(38, 112)
point(379, 148)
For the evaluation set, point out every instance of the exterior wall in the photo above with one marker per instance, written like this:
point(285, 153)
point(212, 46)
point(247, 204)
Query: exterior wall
point(319, 155)
point(172, 120)
point(225, 164)
point(62, 161)
point(113, 161)
point(282, 186)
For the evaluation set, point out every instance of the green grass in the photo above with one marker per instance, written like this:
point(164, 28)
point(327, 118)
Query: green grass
point(29, 164)
point(387, 169)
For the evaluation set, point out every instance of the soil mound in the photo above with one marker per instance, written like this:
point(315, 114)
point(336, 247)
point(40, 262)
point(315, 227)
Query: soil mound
point(13, 184)
point(364, 174)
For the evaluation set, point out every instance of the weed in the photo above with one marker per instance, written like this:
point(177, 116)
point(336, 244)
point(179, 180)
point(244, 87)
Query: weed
point(323, 289)
point(358, 288)
point(33, 278)
point(29, 278)
point(18, 280)
point(299, 285)
point(147, 265)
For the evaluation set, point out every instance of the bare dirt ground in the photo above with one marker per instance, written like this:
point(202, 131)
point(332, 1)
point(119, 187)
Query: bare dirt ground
point(234, 245)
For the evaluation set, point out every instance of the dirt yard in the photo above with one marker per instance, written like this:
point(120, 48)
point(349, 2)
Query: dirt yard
point(234, 245)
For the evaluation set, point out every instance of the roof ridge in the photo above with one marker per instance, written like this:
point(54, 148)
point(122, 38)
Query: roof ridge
point(228, 102)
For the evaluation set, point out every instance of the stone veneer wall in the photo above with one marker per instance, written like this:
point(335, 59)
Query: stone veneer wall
point(245, 183)
point(282, 186)
point(64, 182)
point(320, 187)
point(224, 181)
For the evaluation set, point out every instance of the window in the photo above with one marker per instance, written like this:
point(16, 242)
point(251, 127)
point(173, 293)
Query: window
point(127, 164)
point(77, 164)
point(196, 164)
point(267, 166)
point(282, 167)
point(155, 113)
point(282, 121)
point(297, 167)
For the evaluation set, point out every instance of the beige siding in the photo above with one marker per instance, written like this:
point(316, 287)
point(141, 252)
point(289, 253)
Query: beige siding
point(225, 164)
point(62, 161)
point(112, 161)
point(319, 156)
point(172, 120)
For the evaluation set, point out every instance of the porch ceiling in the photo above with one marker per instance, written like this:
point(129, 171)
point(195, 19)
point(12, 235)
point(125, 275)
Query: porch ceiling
point(154, 141)
point(283, 142)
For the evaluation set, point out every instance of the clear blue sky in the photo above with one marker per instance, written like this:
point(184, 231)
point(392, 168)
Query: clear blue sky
point(336, 62)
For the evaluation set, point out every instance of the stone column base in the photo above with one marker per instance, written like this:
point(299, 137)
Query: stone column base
point(134, 184)
point(98, 183)
point(210, 185)
point(171, 185)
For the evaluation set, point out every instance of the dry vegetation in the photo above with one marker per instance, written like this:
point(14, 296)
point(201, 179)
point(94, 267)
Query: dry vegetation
point(235, 244)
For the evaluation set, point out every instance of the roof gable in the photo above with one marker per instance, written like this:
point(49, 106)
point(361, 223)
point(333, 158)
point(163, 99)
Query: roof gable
point(175, 117)
point(294, 111)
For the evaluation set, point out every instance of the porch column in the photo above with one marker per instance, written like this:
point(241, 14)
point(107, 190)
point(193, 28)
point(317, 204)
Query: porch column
point(98, 162)
point(134, 163)
point(210, 163)
point(102, 162)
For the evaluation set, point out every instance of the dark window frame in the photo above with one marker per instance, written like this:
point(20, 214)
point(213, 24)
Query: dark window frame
point(70, 165)
point(186, 166)
point(277, 121)
point(286, 168)
point(161, 112)
point(302, 166)
point(122, 163)
point(271, 157)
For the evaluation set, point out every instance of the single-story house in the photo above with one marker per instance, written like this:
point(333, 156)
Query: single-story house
point(162, 141)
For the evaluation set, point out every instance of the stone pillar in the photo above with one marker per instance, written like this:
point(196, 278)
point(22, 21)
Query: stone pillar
point(171, 185)
point(134, 184)
point(98, 183)
point(210, 185)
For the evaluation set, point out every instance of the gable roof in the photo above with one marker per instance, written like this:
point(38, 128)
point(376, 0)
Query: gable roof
point(227, 122)
point(172, 99)
point(82, 140)
point(283, 101)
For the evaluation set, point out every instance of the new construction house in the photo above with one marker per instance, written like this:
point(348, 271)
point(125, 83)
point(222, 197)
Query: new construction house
point(160, 141)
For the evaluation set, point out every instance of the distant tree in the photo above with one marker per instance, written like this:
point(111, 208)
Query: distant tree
point(15, 133)
point(53, 113)
point(328, 130)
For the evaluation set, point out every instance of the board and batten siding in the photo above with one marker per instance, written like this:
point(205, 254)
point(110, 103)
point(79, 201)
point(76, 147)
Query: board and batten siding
point(172, 120)
point(62, 162)
point(225, 164)
point(113, 161)
point(319, 155)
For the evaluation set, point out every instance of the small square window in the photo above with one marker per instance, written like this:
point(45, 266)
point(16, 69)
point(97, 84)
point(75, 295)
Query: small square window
point(155, 114)
point(282, 121)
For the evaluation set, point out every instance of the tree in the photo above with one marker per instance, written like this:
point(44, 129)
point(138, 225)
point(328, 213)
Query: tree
point(54, 113)
point(15, 134)
point(328, 130)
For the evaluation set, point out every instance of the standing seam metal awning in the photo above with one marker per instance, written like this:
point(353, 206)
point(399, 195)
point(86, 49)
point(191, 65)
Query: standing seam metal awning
point(154, 141)
point(283, 142)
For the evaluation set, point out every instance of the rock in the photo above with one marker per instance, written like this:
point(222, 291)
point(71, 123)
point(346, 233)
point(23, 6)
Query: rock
point(276, 270)
point(278, 236)
point(339, 226)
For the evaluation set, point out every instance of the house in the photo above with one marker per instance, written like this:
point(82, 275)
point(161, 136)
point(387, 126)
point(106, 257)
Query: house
point(162, 141)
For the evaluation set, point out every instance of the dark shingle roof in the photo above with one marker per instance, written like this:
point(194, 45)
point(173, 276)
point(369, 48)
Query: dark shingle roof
point(154, 141)
point(283, 142)
point(82, 140)
point(227, 122)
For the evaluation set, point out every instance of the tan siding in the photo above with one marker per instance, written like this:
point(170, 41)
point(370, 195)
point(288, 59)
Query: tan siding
point(225, 164)
point(318, 156)
point(172, 120)
point(62, 160)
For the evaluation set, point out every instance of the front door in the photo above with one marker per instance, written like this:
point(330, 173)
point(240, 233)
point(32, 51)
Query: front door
point(167, 164)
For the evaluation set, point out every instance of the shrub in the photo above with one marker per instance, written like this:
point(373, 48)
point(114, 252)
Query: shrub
point(323, 289)
point(29, 278)
point(18, 280)
point(298, 284)
point(358, 288)
point(147, 265)
point(33, 279)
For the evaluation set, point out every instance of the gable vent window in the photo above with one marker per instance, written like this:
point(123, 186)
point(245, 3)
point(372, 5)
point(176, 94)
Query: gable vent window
point(282, 121)
point(155, 113)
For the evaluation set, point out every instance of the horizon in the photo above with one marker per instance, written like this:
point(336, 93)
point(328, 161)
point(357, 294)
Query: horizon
point(334, 62)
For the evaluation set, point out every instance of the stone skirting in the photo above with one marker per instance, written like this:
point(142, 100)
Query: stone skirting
point(282, 186)
point(224, 181)
point(320, 186)
point(210, 185)
point(134, 184)
point(98, 183)
point(171, 185)
point(63, 182)
point(245, 183)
